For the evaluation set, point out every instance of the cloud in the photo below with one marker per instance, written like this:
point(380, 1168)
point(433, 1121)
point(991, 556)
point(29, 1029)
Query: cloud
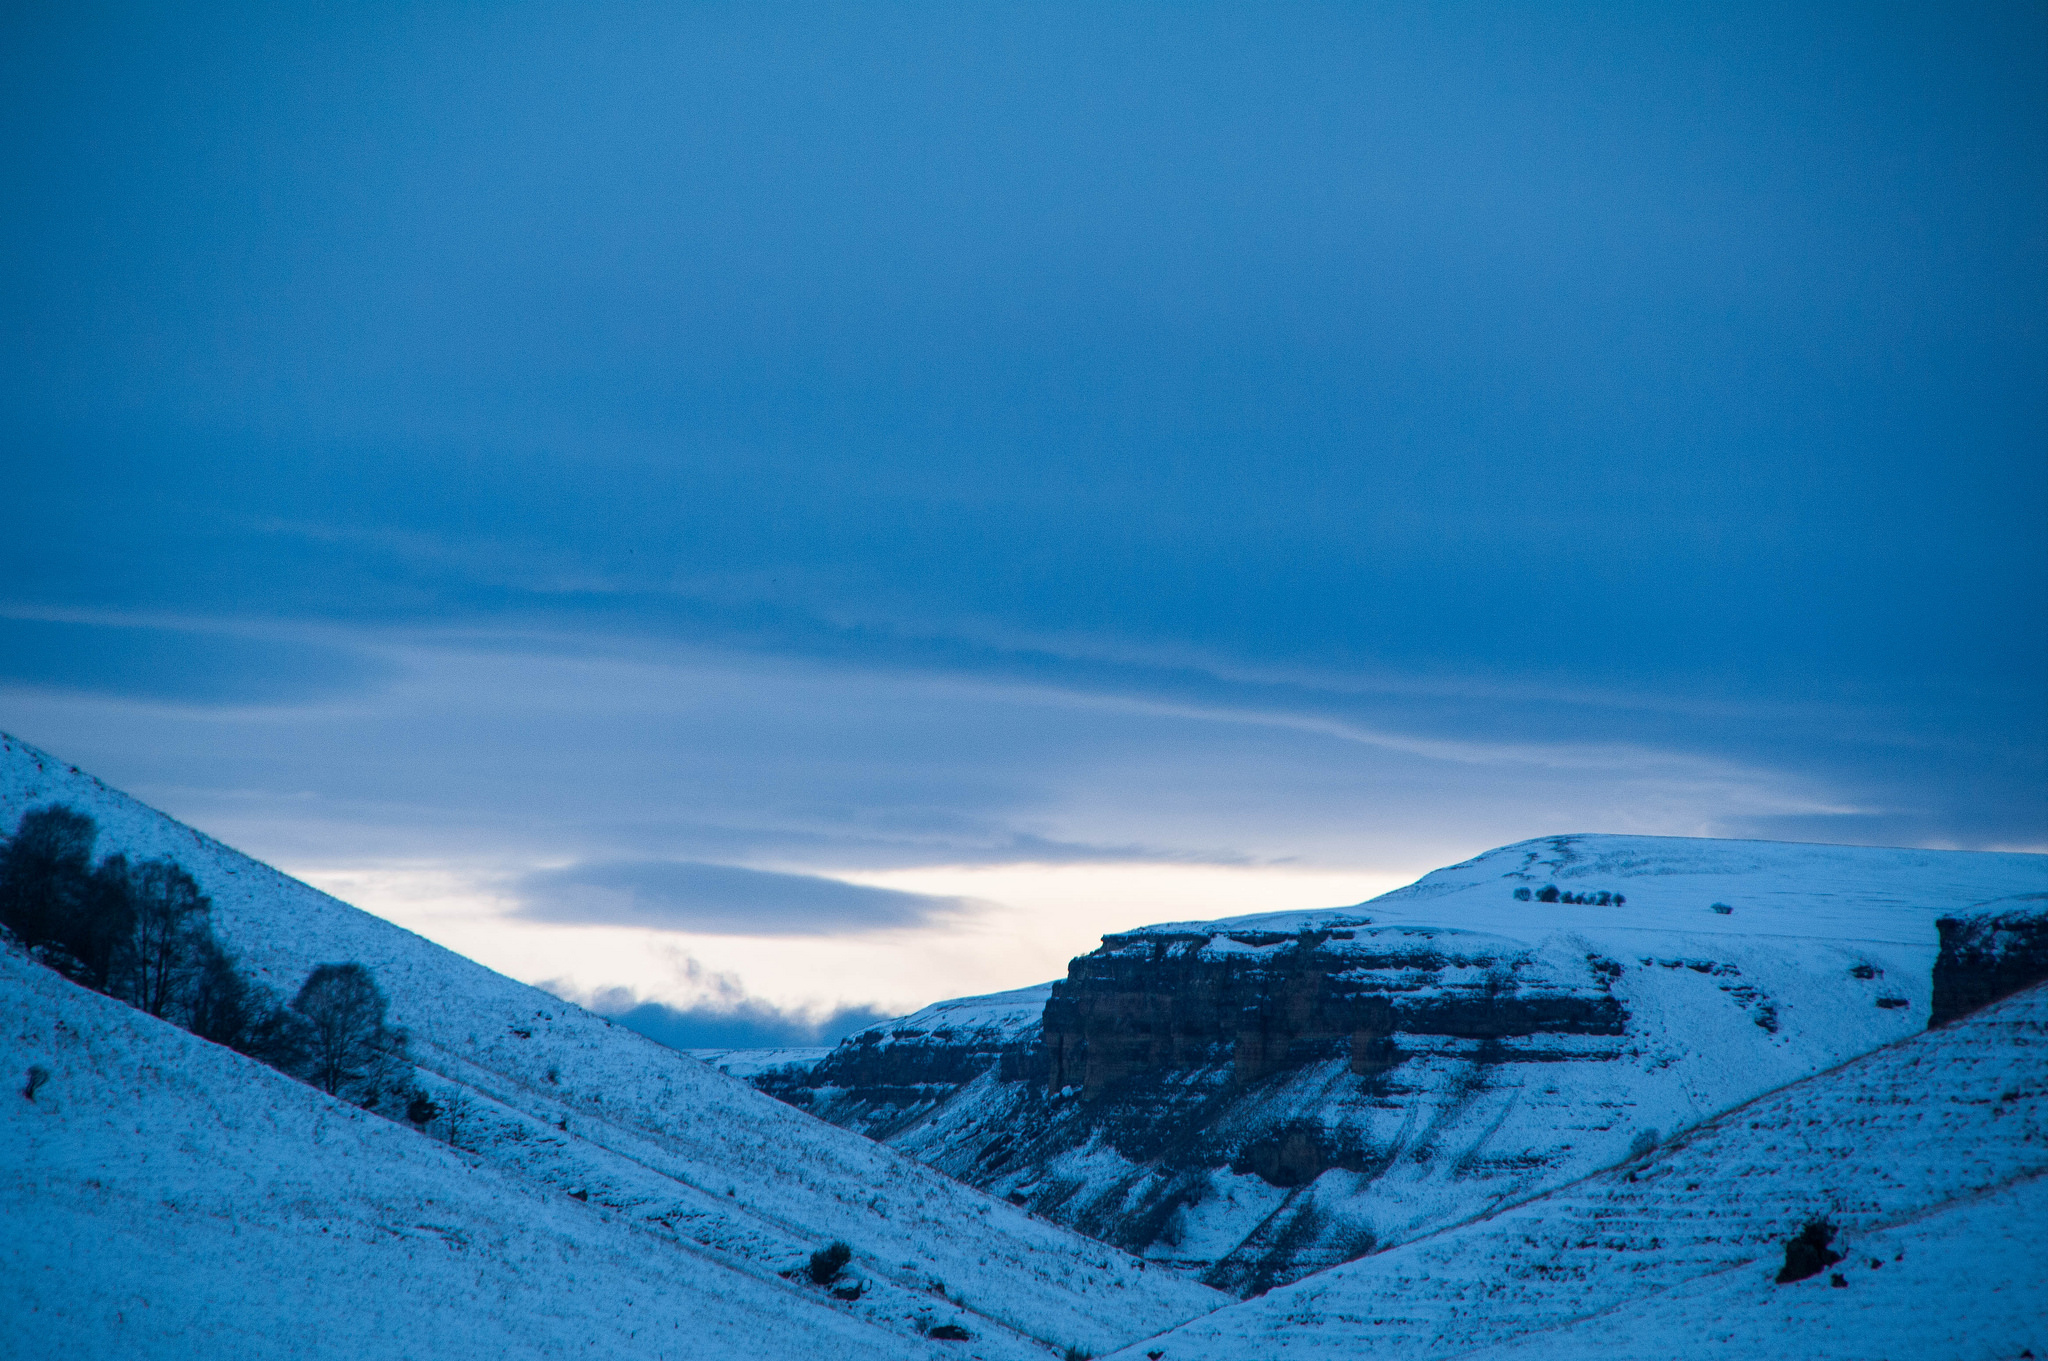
point(757, 1025)
point(722, 900)
point(722, 1015)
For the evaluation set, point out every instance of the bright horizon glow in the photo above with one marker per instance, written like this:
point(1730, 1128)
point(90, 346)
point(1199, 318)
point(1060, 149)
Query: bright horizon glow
point(1033, 919)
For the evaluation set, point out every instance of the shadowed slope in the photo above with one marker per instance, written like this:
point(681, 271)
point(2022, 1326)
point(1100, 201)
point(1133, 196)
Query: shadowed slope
point(1923, 1129)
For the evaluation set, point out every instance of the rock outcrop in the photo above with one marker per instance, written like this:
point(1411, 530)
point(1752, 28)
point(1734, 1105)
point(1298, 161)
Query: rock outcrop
point(1148, 1004)
point(892, 1074)
point(1989, 954)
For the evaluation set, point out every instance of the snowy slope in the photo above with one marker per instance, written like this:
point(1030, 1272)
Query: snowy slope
point(1926, 1148)
point(984, 1024)
point(566, 1103)
point(753, 1064)
point(1266, 1096)
point(1788, 889)
point(1965, 1283)
point(995, 1014)
point(168, 1198)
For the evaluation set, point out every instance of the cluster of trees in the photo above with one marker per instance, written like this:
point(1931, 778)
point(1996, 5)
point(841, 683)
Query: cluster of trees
point(1550, 893)
point(143, 933)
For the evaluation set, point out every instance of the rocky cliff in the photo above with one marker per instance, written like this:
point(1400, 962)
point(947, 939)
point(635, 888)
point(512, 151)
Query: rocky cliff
point(1258, 1098)
point(892, 1075)
point(1268, 1002)
point(1988, 954)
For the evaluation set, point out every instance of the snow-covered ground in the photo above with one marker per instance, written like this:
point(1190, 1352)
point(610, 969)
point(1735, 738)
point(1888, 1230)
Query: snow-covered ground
point(984, 1023)
point(1000, 1015)
point(167, 1198)
point(599, 1194)
point(1928, 1157)
point(554, 1104)
point(752, 1064)
point(1965, 1283)
point(1784, 889)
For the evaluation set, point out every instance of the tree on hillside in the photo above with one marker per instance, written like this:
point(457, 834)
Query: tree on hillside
point(102, 936)
point(144, 934)
point(350, 1051)
point(226, 1007)
point(45, 873)
point(171, 931)
point(77, 919)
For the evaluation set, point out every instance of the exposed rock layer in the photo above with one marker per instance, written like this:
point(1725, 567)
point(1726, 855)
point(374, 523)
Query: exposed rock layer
point(1144, 1006)
point(1986, 956)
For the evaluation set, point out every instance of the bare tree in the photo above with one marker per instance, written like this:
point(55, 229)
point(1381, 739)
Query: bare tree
point(227, 1007)
point(102, 937)
point(350, 1052)
point(169, 937)
point(45, 872)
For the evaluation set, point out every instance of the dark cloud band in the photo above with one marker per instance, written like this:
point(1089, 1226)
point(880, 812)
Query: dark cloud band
point(726, 1016)
point(722, 900)
point(194, 666)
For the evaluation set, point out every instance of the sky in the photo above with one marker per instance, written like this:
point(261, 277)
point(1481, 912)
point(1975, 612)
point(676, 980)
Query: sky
point(770, 516)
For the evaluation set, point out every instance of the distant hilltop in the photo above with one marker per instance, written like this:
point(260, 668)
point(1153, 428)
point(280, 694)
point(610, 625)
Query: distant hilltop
point(1257, 1098)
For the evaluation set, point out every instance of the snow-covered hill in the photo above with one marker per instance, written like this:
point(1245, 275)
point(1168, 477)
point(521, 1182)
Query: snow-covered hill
point(647, 1153)
point(168, 1198)
point(757, 1064)
point(1964, 1282)
point(1929, 1158)
point(897, 1072)
point(1263, 1097)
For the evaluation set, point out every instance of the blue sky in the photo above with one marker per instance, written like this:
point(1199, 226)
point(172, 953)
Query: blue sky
point(1029, 469)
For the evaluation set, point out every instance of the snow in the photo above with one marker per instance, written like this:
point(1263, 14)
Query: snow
point(996, 1016)
point(1935, 1147)
point(994, 1019)
point(1966, 1282)
point(1774, 888)
point(608, 1196)
point(753, 1063)
point(167, 1198)
point(558, 1101)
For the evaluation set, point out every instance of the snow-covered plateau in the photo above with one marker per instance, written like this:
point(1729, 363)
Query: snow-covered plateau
point(1257, 1099)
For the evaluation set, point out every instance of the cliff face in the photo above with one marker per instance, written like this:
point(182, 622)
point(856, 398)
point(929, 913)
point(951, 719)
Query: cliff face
point(1989, 954)
point(1255, 1099)
point(1269, 1002)
point(893, 1075)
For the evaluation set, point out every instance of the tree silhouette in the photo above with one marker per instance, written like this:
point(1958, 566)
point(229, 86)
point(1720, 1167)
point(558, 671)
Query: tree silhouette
point(827, 1262)
point(46, 873)
point(170, 933)
point(349, 1052)
point(226, 1007)
point(102, 935)
point(143, 933)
